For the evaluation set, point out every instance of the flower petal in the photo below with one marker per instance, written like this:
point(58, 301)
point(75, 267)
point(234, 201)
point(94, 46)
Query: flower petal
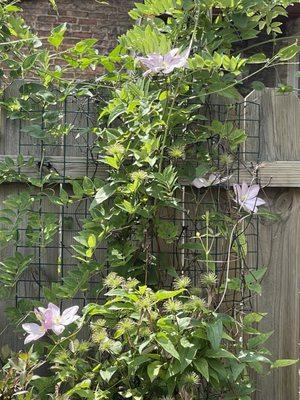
point(244, 190)
point(48, 319)
point(250, 205)
point(31, 328)
point(35, 332)
point(214, 179)
point(238, 191)
point(69, 315)
point(200, 183)
point(54, 309)
point(58, 329)
point(253, 191)
point(170, 55)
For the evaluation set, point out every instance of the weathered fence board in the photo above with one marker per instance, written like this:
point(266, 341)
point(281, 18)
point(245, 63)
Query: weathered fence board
point(278, 241)
point(280, 251)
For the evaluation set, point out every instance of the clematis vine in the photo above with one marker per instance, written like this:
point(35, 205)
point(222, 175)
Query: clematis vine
point(247, 197)
point(50, 319)
point(165, 64)
point(213, 179)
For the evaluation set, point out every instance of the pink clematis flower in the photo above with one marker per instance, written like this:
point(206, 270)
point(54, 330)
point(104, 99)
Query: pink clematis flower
point(213, 179)
point(164, 63)
point(50, 319)
point(60, 321)
point(247, 197)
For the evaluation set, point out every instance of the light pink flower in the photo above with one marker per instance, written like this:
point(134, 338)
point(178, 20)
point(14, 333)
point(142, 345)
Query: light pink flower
point(60, 321)
point(50, 319)
point(247, 197)
point(213, 179)
point(164, 63)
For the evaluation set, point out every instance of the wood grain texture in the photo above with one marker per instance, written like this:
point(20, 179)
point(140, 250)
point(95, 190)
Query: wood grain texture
point(280, 251)
point(279, 128)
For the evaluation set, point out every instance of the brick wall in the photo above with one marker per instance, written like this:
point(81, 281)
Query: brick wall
point(85, 18)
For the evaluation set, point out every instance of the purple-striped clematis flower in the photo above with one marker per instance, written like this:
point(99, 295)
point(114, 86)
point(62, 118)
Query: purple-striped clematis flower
point(164, 63)
point(50, 319)
point(247, 197)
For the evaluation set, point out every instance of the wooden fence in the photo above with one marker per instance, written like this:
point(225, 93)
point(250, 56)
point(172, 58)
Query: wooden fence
point(279, 241)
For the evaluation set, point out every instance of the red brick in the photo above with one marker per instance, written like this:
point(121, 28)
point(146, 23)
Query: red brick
point(85, 18)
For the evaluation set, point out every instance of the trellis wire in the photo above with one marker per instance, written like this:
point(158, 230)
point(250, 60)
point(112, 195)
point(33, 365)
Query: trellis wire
point(80, 114)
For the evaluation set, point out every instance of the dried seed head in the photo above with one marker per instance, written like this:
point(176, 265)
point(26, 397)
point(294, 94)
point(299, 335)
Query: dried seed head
point(115, 149)
point(139, 175)
point(172, 306)
point(209, 279)
point(177, 151)
point(99, 336)
point(191, 379)
point(182, 282)
point(195, 304)
point(112, 281)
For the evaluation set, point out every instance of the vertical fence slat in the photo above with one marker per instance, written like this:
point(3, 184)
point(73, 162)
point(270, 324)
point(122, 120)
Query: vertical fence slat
point(279, 245)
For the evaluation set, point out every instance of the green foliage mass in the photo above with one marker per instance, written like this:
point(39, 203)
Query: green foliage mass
point(145, 344)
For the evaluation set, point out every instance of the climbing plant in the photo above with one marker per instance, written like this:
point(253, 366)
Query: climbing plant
point(155, 144)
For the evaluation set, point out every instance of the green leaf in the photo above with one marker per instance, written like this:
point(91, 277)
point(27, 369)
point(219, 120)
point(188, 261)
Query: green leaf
point(283, 363)
point(88, 186)
point(103, 194)
point(92, 241)
point(163, 340)
point(153, 370)
point(259, 58)
point(35, 131)
point(220, 353)
point(202, 367)
point(77, 189)
point(253, 318)
point(167, 294)
point(289, 52)
point(84, 45)
point(107, 374)
point(252, 357)
point(258, 340)
point(215, 333)
point(53, 5)
point(29, 61)
point(77, 389)
point(57, 35)
point(116, 112)
point(257, 85)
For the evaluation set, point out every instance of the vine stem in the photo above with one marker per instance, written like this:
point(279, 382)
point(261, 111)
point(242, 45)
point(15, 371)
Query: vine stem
point(228, 260)
point(167, 129)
